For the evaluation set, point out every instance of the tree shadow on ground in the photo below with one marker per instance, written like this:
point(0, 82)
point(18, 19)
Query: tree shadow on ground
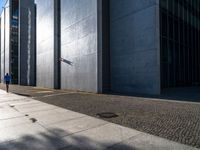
point(53, 139)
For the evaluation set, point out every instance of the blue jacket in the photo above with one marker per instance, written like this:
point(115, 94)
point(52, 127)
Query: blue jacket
point(7, 78)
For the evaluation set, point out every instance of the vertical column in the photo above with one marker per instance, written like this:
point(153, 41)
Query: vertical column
point(7, 14)
point(198, 14)
point(99, 46)
point(0, 47)
point(103, 46)
point(26, 43)
point(57, 44)
point(106, 45)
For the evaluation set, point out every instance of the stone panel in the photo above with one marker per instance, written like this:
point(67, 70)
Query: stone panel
point(135, 62)
point(45, 43)
point(79, 45)
point(2, 46)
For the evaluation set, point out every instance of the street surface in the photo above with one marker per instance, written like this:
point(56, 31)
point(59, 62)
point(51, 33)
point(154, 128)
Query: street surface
point(28, 124)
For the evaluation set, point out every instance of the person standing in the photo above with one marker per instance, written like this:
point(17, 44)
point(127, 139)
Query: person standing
point(7, 80)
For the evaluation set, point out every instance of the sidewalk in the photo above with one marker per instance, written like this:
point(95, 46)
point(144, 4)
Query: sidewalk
point(168, 117)
point(27, 124)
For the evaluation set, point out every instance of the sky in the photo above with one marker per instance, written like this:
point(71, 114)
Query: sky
point(1, 4)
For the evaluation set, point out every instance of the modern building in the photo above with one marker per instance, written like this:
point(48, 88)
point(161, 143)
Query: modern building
point(18, 41)
point(104, 45)
point(180, 43)
point(47, 43)
point(125, 46)
point(72, 45)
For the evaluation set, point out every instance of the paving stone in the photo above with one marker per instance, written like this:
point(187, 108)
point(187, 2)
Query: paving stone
point(52, 116)
point(30, 105)
point(76, 125)
point(39, 141)
point(18, 131)
point(44, 113)
point(42, 141)
point(25, 102)
point(4, 146)
point(100, 137)
point(149, 142)
point(9, 115)
point(34, 109)
point(176, 121)
point(83, 132)
point(13, 122)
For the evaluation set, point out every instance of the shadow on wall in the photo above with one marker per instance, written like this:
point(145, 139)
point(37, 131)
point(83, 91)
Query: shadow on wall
point(66, 61)
point(191, 94)
point(52, 140)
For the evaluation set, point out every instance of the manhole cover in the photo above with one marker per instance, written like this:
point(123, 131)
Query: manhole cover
point(107, 115)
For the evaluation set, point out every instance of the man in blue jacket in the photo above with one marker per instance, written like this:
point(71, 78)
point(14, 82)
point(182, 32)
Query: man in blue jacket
point(7, 80)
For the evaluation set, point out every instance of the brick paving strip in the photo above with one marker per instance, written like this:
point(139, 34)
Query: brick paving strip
point(176, 121)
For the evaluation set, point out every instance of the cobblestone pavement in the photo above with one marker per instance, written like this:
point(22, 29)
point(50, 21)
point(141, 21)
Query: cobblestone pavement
point(176, 121)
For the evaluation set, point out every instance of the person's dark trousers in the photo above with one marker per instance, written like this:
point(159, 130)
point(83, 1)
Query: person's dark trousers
point(7, 86)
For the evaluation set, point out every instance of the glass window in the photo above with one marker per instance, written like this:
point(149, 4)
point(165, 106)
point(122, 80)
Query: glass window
point(180, 46)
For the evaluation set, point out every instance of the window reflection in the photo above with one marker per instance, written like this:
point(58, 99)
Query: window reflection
point(180, 46)
point(14, 40)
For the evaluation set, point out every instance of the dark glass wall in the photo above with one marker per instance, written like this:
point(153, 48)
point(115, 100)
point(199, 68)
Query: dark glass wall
point(14, 40)
point(180, 42)
point(106, 85)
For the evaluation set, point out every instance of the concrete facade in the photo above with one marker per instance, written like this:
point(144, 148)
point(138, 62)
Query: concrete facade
point(2, 45)
point(27, 53)
point(132, 59)
point(99, 45)
point(45, 43)
point(79, 70)
point(134, 45)
point(87, 45)
point(0, 48)
point(5, 40)
point(24, 29)
point(74, 52)
point(103, 45)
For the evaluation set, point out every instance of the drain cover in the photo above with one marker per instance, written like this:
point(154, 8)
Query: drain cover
point(107, 115)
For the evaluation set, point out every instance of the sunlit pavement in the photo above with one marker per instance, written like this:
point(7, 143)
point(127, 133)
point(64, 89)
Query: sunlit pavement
point(27, 124)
